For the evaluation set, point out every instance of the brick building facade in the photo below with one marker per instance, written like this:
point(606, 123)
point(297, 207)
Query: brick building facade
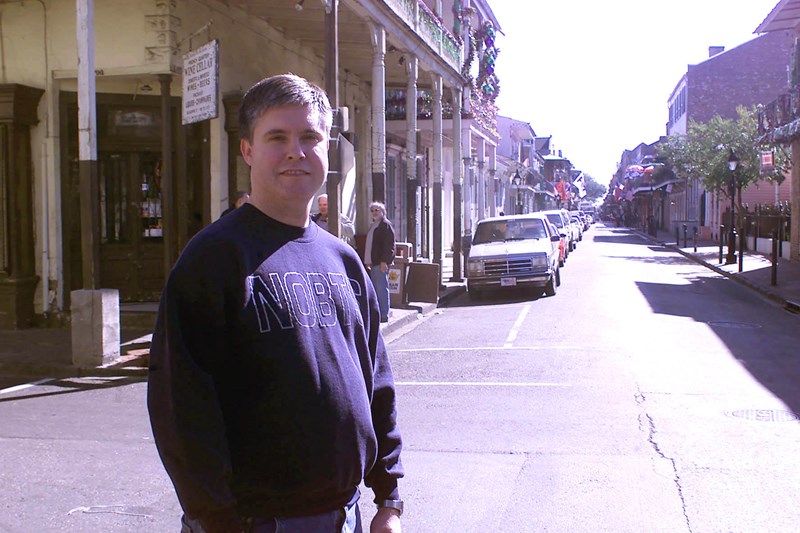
point(750, 74)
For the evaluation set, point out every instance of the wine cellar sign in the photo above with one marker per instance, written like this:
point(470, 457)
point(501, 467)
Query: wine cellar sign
point(201, 83)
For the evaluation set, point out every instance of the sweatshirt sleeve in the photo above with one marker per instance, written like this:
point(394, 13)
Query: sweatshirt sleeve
point(388, 468)
point(185, 414)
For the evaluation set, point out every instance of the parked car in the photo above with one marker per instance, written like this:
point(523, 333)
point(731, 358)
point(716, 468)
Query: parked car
point(513, 251)
point(577, 225)
point(561, 220)
point(562, 244)
point(583, 218)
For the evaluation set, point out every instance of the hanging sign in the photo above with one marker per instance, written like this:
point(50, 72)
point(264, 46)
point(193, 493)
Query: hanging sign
point(201, 83)
point(767, 162)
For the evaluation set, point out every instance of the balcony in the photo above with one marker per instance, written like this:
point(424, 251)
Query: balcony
point(482, 110)
point(779, 120)
point(396, 104)
point(649, 183)
point(430, 28)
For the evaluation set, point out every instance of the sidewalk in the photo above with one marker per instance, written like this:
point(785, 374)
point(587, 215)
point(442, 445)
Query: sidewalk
point(756, 268)
point(48, 351)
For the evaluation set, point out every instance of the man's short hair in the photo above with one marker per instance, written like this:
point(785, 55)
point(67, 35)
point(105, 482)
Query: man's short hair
point(282, 90)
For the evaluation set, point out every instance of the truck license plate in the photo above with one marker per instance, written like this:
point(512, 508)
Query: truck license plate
point(508, 282)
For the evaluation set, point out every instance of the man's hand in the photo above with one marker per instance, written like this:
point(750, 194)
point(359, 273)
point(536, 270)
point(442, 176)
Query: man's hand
point(384, 267)
point(386, 520)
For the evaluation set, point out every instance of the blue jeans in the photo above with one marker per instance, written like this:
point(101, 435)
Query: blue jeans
point(380, 280)
point(345, 520)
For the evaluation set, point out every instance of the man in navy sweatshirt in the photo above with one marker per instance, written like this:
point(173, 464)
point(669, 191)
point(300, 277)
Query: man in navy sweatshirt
point(270, 391)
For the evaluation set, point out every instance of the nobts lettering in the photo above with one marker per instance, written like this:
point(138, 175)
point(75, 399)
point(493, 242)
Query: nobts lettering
point(304, 300)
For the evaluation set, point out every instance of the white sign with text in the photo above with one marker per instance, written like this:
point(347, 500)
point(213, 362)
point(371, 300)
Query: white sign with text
point(200, 83)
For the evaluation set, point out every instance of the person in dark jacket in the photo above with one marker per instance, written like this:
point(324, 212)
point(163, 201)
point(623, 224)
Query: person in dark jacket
point(379, 252)
point(270, 391)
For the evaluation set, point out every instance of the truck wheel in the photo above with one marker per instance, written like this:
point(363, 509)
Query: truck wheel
point(550, 288)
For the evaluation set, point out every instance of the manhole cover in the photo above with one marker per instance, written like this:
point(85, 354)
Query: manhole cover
point(735, 325)
point(765, 415)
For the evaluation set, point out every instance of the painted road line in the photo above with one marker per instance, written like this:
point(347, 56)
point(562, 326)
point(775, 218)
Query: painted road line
point(478, 384)
point(512, 336)
point(491, 348)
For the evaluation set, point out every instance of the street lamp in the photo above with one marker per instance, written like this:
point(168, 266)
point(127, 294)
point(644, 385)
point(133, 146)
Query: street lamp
point(517, 181)
point(733, 162)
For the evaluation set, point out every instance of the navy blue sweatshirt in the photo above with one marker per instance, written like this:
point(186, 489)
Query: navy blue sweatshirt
point(270, 390)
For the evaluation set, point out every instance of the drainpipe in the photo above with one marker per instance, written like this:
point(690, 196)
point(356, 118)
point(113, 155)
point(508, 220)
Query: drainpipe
point(412, 182)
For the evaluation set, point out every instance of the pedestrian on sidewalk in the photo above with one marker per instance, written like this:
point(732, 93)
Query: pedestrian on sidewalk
point(270, 392)
point(321, 218)
point(379, 253)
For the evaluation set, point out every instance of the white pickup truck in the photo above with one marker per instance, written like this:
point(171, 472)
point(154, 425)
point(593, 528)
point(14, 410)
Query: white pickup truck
point(518, 251)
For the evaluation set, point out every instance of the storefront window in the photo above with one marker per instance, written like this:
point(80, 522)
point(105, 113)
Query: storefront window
point(130, 179)
point(151, 215)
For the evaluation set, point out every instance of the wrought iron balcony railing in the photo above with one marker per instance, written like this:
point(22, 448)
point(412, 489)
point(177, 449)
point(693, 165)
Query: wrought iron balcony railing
point(428, 26)
point(481, 110)
point(396, 104)
point(779, 120)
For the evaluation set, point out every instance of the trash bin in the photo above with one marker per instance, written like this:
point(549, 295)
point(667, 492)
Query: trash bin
point(397, 282)
point(422, 282)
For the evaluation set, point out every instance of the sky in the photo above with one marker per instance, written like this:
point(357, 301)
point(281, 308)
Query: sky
point(596, 75)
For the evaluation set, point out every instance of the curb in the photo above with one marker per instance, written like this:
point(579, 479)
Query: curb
point(408, 317)
point(769, 294)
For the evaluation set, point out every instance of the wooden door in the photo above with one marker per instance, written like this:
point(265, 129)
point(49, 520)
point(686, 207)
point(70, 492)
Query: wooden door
point(131, 247)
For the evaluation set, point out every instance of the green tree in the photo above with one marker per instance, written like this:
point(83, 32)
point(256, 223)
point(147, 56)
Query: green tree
point(704, 151)
point(594, 189)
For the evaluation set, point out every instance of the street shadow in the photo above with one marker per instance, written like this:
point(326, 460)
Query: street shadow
point(767, 349)
point(659, 260)
point(495, 297)
point(621, 238)
point(72, 384)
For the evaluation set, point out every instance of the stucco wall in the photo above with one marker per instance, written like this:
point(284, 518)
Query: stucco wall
point(38, 48)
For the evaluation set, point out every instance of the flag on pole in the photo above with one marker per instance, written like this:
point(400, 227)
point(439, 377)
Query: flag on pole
point(580, 184)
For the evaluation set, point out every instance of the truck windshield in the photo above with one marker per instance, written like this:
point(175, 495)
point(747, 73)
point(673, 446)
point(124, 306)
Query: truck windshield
point(509, 230)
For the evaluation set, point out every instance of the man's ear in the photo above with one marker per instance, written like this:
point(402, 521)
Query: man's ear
point(247, 150)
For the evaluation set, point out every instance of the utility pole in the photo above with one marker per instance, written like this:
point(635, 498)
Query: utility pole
point(332, 88)
point(94, 312)
point(87, 148)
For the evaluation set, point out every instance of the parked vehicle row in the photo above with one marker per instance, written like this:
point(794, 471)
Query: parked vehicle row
point(523, 251)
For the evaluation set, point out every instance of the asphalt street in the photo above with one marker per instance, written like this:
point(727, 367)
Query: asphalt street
point(649, 394)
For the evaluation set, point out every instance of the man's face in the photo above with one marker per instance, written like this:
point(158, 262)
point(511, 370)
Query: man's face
point(323, 206)
point(288, 155)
